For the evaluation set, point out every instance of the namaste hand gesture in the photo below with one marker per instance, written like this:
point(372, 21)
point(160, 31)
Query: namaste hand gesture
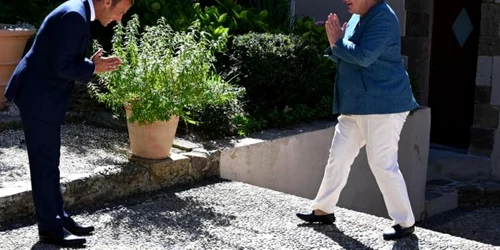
point(333, 29)
point(105, 64)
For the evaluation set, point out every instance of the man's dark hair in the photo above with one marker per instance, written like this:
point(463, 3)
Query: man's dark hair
point(114, 2)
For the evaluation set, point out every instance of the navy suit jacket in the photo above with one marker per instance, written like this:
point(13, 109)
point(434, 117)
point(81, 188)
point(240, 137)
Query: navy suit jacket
point(42, 81)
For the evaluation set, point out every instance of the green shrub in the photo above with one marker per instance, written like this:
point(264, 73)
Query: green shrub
point(312, 32)
point(164, 73)
point(279, 12)
point(286, 79)
point(213, 17)
point(222, 120)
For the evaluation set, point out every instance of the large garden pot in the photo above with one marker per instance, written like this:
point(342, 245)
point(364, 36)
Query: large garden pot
point(12, 43)
point(152, 141)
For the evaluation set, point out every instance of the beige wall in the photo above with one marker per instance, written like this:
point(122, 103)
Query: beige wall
point(319, 10)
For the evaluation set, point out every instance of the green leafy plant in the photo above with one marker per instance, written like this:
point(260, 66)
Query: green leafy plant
point(312, 32)
point(286, 79)
point(214, 17)
point(164, 73)
point(219, 121)
point(278, 12)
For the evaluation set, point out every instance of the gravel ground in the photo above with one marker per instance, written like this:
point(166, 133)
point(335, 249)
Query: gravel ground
point(479, 224)
point(10, 110)
point(230, 215)
point(84, 148)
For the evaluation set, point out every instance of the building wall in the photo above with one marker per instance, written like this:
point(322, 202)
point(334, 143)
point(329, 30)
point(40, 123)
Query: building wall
point(486, 130)
point(485, 133)
point(417, 45)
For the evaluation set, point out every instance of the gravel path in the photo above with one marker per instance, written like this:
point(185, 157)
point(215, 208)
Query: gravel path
point(230, 215)
point(84, 148)
point(479, 224)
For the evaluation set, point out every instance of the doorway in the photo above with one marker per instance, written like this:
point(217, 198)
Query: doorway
point(455, 41)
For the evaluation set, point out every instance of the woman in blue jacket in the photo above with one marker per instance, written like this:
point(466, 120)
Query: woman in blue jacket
point(373, 96)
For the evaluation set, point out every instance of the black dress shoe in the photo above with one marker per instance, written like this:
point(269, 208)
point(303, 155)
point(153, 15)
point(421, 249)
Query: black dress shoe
point(322, 219)
point(65, 239)
point(397, 232)
point(76, 228)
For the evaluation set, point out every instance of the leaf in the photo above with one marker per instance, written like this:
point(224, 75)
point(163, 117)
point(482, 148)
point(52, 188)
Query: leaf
point(156, 6)
point(222, 18)
point(220, 30)
point(263, 14)
point(244, 14)
point(189, 120)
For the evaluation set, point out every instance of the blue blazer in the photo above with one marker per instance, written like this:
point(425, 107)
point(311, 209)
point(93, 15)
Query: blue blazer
point(42, 81)
point(371, 77)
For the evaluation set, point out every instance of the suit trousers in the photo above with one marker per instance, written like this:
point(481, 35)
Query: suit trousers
point(43, 140)
point(380, 134)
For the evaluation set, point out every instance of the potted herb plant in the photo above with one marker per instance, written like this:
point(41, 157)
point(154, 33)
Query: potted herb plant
point(165, 73)
point(13, 38)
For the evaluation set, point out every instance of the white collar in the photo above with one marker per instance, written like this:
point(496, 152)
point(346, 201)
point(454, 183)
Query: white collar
point(92, 11)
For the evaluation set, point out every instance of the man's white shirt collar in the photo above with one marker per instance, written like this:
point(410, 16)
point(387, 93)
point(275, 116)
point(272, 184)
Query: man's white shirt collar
point(92, 11)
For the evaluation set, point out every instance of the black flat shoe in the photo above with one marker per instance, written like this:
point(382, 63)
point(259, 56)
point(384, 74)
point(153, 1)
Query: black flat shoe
point(397, 232)
point(76, 228)
point(64, 239)
point(322, 219)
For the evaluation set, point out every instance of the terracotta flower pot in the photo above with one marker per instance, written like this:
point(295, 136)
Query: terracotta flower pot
point(152, 141)
point(12, 43)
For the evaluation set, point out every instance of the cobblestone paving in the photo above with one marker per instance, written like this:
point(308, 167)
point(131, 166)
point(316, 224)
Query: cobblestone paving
point(231, 215)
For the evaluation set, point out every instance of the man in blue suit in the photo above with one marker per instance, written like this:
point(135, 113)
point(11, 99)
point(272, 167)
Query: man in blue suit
point(41, 86)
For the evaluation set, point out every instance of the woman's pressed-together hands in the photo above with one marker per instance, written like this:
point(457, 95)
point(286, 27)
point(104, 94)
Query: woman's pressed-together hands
point(334, 30)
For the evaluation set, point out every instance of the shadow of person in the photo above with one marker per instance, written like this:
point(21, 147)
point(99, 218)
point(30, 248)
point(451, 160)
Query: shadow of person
point(407, 243)
point(473, 223)
point(39, 246)
point(336, 235)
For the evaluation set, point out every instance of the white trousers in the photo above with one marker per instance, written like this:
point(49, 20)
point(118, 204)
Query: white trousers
point(380, 134)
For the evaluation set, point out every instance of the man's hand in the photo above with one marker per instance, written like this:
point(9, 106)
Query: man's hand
point(105, 64)
point(333, 29)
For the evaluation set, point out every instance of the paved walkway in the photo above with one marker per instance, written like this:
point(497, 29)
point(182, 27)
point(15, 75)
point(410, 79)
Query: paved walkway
point(230, 215)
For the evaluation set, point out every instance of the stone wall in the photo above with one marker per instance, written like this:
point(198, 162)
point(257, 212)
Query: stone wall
point(416, 45)
point(485, 130)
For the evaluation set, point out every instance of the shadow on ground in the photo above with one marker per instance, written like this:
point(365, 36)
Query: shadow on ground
point(147, 213)
point(338, 236)
point(347, 242)
point(478, 224)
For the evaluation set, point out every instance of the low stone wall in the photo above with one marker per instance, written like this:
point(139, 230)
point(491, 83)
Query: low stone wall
point(295, 164)
point(116, 182)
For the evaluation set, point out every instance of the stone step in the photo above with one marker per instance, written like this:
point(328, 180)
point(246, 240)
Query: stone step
point(449, 174)
point(109, 183)
point(443, 195)
point(456, 166)
point(439, 198)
